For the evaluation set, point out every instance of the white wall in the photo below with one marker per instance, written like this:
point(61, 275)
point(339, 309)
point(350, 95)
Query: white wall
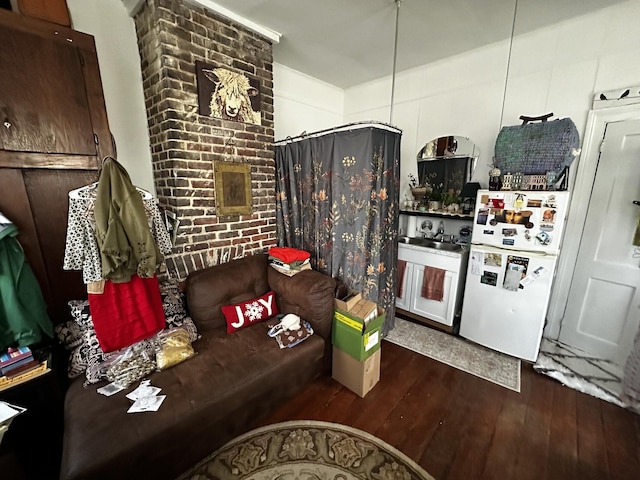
point(116, 44)
point(556, 69)
point(303, 103)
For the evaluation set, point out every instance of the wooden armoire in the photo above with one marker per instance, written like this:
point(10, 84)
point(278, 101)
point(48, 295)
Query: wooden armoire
point(53, 136)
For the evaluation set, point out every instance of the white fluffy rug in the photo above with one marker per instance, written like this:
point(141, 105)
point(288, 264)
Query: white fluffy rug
point(578, 370)
point(457, 352)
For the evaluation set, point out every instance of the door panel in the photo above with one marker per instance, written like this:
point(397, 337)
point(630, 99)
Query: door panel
point(48, 196)
point(44, 105)
point(602, 314)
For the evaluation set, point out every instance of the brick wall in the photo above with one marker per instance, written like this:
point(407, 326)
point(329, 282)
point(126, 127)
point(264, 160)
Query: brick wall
point(171, 37)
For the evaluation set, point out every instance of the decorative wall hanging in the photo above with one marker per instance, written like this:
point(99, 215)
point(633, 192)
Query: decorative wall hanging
point(233, 188)
point(226, 94)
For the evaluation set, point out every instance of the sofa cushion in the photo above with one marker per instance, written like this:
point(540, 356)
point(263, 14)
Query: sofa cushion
point(79, 337)
point(208, 290)
point(251, 311)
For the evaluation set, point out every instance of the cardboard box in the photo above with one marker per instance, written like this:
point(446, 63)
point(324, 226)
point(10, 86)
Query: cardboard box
point(365, 309)
point(348, 302)
point(359, 377)
point(352, 335)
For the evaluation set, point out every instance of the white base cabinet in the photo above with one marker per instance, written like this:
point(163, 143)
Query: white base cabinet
point(454, 264)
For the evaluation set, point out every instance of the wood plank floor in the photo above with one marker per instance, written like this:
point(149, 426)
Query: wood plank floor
point(458, 426)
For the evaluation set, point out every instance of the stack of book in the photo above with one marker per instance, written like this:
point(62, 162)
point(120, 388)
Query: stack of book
point(16, 360)
point(18, 365)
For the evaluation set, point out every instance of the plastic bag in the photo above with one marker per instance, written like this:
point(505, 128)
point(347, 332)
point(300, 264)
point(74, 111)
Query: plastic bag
point(133, 364)
point(174, 346)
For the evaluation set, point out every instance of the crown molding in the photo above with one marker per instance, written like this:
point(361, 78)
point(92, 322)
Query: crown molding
point(245, 22)
point(132, 6)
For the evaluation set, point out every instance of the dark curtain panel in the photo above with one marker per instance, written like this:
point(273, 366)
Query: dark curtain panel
point(337, 198)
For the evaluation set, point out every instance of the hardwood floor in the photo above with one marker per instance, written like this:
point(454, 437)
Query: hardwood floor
point(458, 426)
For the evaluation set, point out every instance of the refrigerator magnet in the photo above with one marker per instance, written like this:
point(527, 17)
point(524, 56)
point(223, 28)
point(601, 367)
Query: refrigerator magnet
point(543, 237)
point(477, 258)
point(536, 274)
point(489, 278)
point(493, 259)
point(496, 203)
point(550, 201)
point(515, 271)
point(483, 214)
point(549, 216)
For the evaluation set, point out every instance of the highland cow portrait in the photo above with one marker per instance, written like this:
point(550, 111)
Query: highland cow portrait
point(223, 93)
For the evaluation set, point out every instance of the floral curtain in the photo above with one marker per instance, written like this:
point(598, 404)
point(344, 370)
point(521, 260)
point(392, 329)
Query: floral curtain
point(337, 198)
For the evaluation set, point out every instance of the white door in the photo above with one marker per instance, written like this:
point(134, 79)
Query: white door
point(603, 306)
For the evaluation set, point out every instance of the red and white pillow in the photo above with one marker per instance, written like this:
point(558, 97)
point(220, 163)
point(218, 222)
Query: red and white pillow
point(243, 314)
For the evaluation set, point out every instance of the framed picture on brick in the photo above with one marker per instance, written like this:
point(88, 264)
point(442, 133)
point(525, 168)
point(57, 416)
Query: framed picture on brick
point(233, 188)
point(228, 94)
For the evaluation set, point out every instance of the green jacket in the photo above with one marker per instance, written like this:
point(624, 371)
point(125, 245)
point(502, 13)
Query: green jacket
point(23, 312)
point(122, 229)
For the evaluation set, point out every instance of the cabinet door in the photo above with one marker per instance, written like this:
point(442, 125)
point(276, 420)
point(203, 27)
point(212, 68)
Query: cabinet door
point(53, 134)
point(404, 301)
point(434, 310)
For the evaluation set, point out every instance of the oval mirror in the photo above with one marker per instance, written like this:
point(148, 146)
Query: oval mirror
point(448, 147)
point(447, 164)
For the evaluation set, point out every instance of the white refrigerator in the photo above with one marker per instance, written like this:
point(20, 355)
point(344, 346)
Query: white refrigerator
point(512, 260)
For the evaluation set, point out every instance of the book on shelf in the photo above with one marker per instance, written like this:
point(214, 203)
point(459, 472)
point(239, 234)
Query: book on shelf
point(12, 381)
point(13, 355)
point(12, 366)
point(25, 367)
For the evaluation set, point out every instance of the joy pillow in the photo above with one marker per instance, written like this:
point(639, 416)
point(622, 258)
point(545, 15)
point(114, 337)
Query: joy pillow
point(249, 312)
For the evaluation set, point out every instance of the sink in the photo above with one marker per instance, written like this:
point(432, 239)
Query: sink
point(428, 243)
point(412, 241)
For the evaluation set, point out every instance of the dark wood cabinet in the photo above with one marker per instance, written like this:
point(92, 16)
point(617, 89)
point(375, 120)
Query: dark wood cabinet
point(53, 135)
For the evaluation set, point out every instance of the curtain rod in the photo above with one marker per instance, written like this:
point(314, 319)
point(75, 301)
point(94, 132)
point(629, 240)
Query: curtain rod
point(341, 128)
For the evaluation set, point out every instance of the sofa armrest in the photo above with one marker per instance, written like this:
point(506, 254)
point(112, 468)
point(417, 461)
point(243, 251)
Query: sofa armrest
point(308, 294)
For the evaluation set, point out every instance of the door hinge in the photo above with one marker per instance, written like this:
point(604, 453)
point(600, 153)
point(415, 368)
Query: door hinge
point(601, 146)
point(95, 139)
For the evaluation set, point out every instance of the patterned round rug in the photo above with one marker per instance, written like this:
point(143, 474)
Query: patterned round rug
point(307, 450)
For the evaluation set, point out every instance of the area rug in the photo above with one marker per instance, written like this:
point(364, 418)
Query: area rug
point(585, 373)
point(307, 450)
point(457, 352)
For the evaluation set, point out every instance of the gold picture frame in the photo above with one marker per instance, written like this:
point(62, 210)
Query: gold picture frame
point(233, 188)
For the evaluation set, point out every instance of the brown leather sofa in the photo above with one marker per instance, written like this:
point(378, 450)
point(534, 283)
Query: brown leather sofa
point(233, 381)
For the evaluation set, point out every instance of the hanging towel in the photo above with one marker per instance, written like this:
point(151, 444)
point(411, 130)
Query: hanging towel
point(433, 283)
point(402, 266)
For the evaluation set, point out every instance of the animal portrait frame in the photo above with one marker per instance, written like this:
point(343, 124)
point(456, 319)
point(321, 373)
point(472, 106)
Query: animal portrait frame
point(228, 94)
point(233, 188)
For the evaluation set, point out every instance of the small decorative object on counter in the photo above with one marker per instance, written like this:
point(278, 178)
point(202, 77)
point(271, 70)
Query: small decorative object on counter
point(495, 183)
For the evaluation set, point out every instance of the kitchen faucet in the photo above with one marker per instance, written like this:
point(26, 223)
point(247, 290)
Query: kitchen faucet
point(440, 232)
